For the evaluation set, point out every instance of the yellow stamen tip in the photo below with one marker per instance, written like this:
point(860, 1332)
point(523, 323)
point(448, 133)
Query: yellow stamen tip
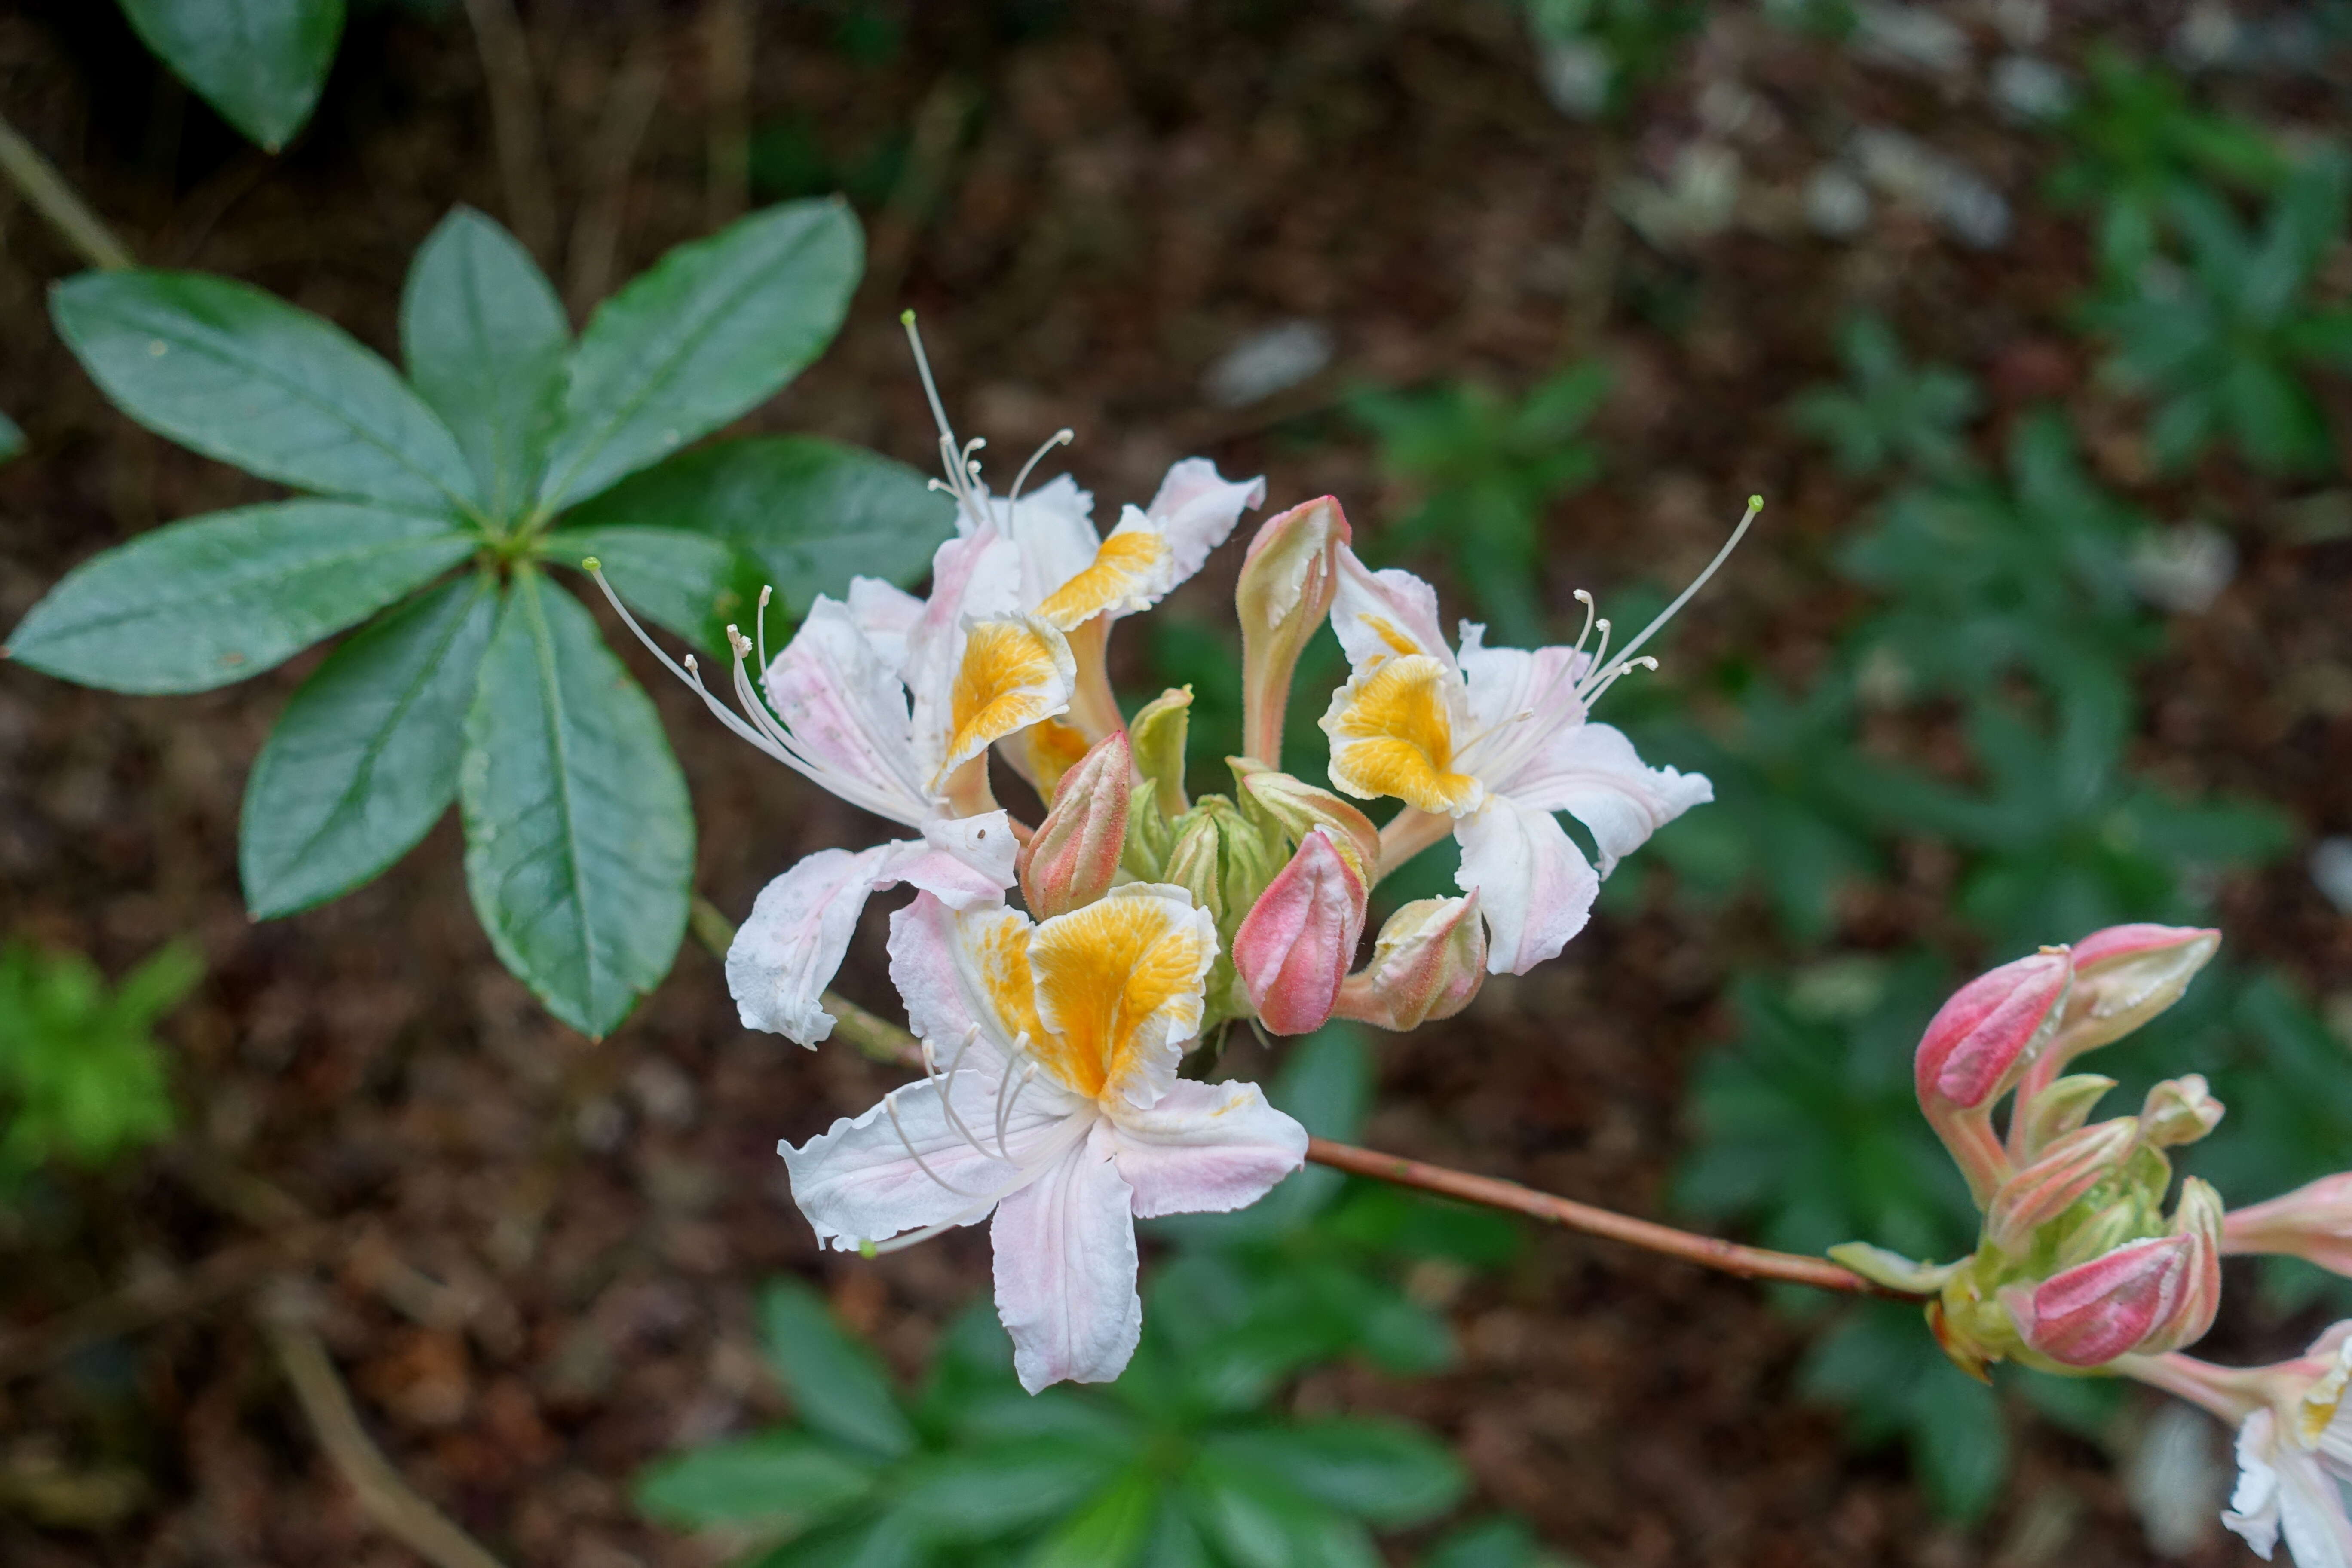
point(590, 564)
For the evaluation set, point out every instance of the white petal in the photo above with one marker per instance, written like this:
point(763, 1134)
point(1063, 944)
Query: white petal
point(842, 703)
point(1066, 1270)
point(1517, 700)
point(1196, 509)
point(2311, 1511)
point(2253, 1510)
point(876, 1177)
point(1532, 881)
point(1592, 771)
point(1378, 614)
point(932, 967)
point(1205, 1148)
point(1052, 528)
point(886, 613)
point(788, 951)
point(971, 579)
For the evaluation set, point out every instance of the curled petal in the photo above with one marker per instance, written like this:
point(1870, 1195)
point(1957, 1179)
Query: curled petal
point(1052, 528)
point(1593, 772)
point(1016, 671)
point(1206, 1148)
point(1392, 731)
point(1119, 988)
point(1386, 614)
point(1130, 573)
point(1195, 510)
point(1534, 884)
point(1295, 944)
point(1287, 582)
point(1065, 1268)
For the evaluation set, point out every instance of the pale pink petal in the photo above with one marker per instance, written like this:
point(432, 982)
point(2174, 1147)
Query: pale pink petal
point(2253, 1510)
point(1206, 1148)
point(1065, 1270)
point(2311, 1509)
point(881, 1175)
point(787, 952)
point(1517, 701)
point(846, 715)
point(886, 613)
point(1533, 882)
point(1381, 613)
point(1053, 530)
point(1592, 771)
point(938, 962)
point(1196, 509)
point(964, 862)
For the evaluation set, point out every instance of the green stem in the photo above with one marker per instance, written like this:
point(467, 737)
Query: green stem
point(56, 199)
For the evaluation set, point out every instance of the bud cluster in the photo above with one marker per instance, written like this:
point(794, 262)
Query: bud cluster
point(2078, 1262)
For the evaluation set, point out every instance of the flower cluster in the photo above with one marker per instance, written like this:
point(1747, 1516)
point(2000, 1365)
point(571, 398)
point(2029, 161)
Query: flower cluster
point(1051, 1039)
point(2079, 1270)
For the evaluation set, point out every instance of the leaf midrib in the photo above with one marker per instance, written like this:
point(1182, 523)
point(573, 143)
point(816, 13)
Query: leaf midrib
point(527, 583)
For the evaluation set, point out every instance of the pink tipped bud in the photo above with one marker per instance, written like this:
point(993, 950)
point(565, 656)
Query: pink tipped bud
point(2047, 1188)
point(1287, 582)
point(1981, 1038)
point(2096, 1311)
point(2178, 1111)
point(1428, 962)
point(2197, 1220)
point(2125, 975)
point(1293, 948)
point(1301, 808)
point(1073, 855)
point(2049, 1113)
point(2312, 1223)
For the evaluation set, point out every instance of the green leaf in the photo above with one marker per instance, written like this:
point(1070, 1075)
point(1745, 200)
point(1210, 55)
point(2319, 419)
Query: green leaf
point(12, 439)
point(778, 1480)
point(579, 836)
point(364, 759)
point(485, 337)
point(711, 331)
point(210, 600)
point(887, 1542)
point(989, 1492)
point(259, 62)
point(1385, 1472)
point(694, 584)
point(837, 1384)
point(240, 375)
point(810, 513)
point(1486, 1543)
point(1107, 1532)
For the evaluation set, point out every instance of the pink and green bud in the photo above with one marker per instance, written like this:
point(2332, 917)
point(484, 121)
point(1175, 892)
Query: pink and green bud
point(1428, 962)
point(1288, 579)
point(2178, 1111)
point(2070, 1167)
point(1976, 1046)
point(2197, 1220)
point(1292, 951)
point(2040, 1120)
point(1072, 858)
point(2124, 976)
point(2312, 1223)
point(2094, 1312)
point(1299, 808)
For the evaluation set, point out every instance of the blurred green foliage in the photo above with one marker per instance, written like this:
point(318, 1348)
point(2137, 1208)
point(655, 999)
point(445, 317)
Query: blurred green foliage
point(82, 1079)
point(1888, 413)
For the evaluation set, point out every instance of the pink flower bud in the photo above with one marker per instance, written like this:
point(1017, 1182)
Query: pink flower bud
point(2178, 1111)
point(1980, 1038)
point(2042, 1116)
point(1294, 947)
point(2312, 1223)
point(2071, 1166)
point(1428, 962)
point(2125, 975)
point(2096, 1311)
point(1286, 585)
point(1073, 855)
point(2197, 1220)
point(1301, 808)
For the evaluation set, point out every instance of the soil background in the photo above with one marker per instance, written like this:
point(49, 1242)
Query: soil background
point(543, 1249)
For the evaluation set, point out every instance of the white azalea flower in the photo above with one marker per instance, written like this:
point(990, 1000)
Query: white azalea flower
point(1487, 744)
point(2292, 1463)
point(1050, 1100)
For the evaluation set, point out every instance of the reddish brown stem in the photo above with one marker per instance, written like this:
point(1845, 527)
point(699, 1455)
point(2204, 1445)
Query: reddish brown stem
point(1707, 1252)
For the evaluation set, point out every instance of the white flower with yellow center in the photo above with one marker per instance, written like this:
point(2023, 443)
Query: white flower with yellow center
point(1487, 744)
point(890, 702)
point(2294, 1462)
point(1050, 1099)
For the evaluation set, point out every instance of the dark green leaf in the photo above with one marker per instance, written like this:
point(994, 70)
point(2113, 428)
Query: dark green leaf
point(989, 1492)
point(887, 1542)
point(240, 375)
point(712, 331)
point(259, 62)
point(485, 338)
point(211, 600)
point(579, 837)
point(1107, 1532)
point(1385, 1472)
point(1958, 1442)
point(837, 1384)
point(12, 439)
point(779, 1479)
point(694, 584)
point(811, 513)
point(365, 756)
point(1486, 1543)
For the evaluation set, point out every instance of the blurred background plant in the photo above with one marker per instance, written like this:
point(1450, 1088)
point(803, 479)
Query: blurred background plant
point(83, 1081)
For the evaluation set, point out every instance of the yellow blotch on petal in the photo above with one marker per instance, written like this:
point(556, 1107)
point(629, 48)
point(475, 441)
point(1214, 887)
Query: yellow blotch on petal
point(1122, 567)
point(1014, 674)
point(1387, 632)
point(1392, 734)
point(1114, 981)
